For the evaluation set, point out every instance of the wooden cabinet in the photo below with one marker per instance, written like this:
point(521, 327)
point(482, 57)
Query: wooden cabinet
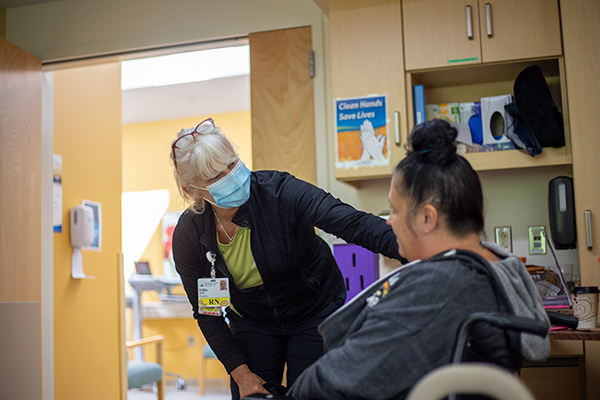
point(560, 377)
point(372, 40)
point(469, 83)
point(519, 29)
point(436, 33)
point(581, 31)
point(367, 58)
point(463, 50)
point(443, 33)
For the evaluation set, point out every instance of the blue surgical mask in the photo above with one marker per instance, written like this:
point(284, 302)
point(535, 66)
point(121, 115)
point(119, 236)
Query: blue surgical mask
point(233, 189)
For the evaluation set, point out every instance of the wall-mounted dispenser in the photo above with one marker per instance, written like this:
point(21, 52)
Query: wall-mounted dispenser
point(82, 226)
point(82, 234)
point(561, 209)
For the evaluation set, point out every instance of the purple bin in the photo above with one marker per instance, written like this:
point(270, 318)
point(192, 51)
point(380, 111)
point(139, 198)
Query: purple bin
point(359, 266)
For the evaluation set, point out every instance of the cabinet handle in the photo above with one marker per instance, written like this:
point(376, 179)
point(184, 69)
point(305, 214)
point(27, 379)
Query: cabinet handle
point(488, 18)
point(469, 24)
point(588, 229)
point(397, 127)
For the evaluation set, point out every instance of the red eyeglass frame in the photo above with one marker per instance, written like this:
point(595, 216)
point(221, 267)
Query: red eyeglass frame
point(194, 132)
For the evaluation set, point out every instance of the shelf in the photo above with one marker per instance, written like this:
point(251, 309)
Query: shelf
point(470, 83)
point(363, 173)
point(482, 73)
point(486, 161)
point(508, 159)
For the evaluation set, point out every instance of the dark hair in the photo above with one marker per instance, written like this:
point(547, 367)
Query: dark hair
point(433, 173)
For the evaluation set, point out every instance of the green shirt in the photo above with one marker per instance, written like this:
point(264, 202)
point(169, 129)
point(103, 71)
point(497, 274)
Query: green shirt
point(240, 261)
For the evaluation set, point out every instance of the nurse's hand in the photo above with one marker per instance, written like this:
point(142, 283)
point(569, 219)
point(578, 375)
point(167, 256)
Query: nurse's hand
point(248, 382)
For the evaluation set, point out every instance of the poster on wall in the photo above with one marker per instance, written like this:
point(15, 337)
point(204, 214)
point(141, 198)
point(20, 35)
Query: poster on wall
point(168, 226)
point(97, 207)
point(361, 132)
point(57, 193)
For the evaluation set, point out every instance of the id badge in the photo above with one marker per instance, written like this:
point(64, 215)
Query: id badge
point(212, 295)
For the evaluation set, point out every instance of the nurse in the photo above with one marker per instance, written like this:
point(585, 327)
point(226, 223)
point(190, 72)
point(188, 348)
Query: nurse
point(257, 229)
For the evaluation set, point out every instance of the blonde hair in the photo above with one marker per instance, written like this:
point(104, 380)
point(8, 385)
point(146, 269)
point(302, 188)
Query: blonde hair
point(204, 156)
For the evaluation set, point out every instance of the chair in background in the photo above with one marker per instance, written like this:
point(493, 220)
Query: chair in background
point(140, 373)
point(206, 354)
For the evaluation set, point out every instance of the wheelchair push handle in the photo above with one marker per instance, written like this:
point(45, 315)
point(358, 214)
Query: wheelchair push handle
point(568, 321)
point(514, 323)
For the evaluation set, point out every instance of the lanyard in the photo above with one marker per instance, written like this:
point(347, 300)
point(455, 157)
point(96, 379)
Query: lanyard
point(212, 257)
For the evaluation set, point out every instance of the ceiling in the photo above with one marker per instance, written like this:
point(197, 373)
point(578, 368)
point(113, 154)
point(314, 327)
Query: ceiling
point(213, 97)
point(217, 96)
point(6, 4)
point(176, 101)
point(210, 97)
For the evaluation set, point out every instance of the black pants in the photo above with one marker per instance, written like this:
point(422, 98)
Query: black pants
point(267, 352)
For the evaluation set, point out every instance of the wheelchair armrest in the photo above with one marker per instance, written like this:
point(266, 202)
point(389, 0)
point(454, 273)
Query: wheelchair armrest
point(498, 320)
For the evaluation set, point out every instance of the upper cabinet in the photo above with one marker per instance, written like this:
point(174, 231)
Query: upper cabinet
point(459, 50)
point(469, 83)
point(367, 59)
point(443, 33)
point(464, 50)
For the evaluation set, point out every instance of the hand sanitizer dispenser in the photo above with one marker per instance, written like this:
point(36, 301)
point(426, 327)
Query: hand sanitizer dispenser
point(82, 234)
point(82, 226)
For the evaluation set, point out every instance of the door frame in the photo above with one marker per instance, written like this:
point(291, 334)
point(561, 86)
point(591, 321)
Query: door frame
point(323, 109)
point(47, 289)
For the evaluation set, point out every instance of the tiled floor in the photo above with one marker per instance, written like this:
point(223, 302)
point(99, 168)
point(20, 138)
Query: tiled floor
point(190, 393)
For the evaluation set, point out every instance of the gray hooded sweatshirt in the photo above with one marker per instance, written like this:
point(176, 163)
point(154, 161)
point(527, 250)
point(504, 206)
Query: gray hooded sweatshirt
point(406, 324)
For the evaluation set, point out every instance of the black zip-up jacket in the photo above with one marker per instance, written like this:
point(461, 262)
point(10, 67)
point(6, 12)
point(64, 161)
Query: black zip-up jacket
point(300, 276)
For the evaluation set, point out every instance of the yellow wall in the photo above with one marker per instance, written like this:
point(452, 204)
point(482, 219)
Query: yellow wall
point(146, 149)
point(87, 134)
point(146, 166)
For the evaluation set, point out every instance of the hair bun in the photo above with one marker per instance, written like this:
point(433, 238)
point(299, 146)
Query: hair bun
point(433, 142)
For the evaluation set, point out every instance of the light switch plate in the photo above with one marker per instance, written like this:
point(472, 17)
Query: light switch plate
point(537, 241)
point(504, 237)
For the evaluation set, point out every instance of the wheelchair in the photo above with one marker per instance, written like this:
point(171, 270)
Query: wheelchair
point(472, 378)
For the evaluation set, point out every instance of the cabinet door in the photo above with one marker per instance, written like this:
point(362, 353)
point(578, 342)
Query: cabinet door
point(436, 33)
point(366, 58)
point(517, 29)
point(21, 215)
point(581, 31)
point(582, 56)
point(20, 173)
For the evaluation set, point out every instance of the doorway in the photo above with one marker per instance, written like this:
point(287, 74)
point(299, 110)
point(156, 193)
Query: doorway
point(162, 94)
point(80, 140)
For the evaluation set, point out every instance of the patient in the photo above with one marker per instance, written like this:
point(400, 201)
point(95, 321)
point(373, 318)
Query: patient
point(406, 324)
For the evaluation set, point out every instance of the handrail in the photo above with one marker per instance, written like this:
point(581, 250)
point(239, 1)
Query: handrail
point(145, 341)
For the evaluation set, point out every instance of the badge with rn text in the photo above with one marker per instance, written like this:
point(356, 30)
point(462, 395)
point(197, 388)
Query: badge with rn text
point(212, 295)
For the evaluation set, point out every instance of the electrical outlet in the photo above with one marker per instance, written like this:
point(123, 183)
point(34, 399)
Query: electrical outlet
point(504, 237)
point(191, 341)
point(537, 241)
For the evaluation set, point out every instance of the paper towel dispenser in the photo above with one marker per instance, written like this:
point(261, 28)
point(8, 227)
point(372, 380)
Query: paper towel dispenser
point(561, 208)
